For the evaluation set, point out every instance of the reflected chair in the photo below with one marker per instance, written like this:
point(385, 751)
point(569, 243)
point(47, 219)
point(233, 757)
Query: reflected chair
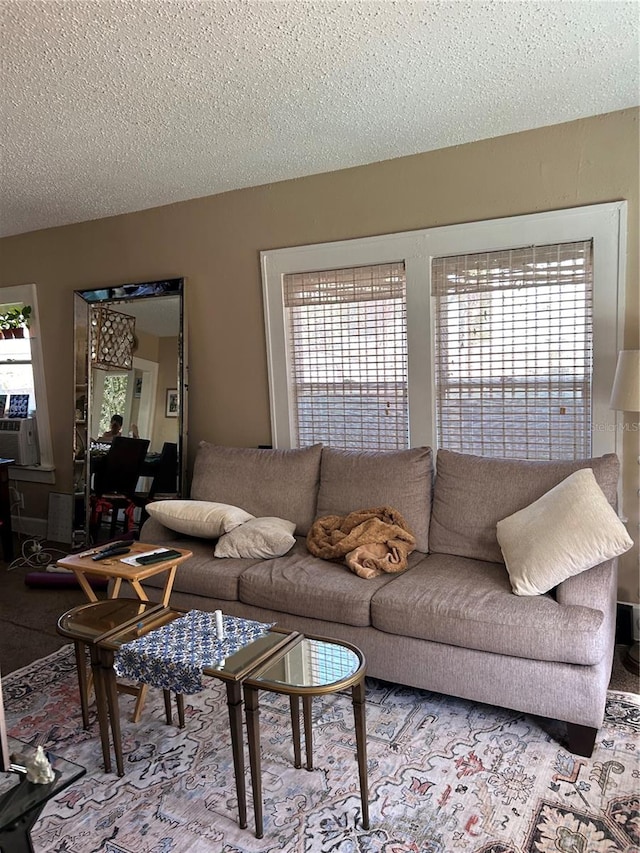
point(164, 484)
point(114, 482)
point(166, 475)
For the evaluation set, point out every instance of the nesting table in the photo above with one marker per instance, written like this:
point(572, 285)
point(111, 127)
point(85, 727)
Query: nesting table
point(87, 624)
point(278, 660)
point(313, 666)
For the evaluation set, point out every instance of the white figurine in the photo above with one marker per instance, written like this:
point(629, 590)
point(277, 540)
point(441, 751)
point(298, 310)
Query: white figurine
point(39, 769)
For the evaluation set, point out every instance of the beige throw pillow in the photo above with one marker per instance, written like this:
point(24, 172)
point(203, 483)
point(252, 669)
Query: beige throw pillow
point(259, 537)
point(571, 528)
point(205, 519)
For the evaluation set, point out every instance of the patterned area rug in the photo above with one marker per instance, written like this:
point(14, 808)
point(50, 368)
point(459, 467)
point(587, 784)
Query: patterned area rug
point(445, 775)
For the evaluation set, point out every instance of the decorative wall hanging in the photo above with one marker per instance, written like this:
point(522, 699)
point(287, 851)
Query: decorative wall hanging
point(112, 339)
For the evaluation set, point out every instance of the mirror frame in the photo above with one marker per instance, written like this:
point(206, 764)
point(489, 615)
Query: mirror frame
point(118, 295)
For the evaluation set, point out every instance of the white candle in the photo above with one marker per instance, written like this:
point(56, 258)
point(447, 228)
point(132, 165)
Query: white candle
point(219, 625)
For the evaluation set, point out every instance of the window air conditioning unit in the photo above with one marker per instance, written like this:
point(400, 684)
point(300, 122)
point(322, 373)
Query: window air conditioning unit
point(18, 440)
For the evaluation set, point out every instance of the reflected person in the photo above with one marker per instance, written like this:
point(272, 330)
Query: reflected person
point(115, 429)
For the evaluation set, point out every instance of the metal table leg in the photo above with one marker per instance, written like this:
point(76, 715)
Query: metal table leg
point(359, 713)
point(234, 701)
point(308, 729)
point(294, 704)
point(101, 706)
point(255, 760)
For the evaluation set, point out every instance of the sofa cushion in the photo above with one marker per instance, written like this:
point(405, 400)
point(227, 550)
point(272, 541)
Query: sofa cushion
point(571, 528)
point(281, 483)
point(303, 585)
point(473, 493)
point(259, 537)
point(206, 519)
point(469, 603)
point(356, 479)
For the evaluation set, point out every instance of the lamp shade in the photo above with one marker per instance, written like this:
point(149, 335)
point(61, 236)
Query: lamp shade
point(625, 395)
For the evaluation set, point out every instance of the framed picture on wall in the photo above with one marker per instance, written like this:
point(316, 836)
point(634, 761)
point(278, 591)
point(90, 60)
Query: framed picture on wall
point(171, 410)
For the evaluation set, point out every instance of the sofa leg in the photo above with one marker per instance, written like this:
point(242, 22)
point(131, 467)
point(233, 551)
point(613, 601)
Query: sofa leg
point(581, 739)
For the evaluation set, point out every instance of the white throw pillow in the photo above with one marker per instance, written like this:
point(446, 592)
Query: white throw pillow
point(569, 529)
point(259, 537)
point(206, 519)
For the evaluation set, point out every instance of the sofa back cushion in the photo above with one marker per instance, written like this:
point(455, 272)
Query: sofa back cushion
point(473, 493)
point(282, 483)
point(363, 479)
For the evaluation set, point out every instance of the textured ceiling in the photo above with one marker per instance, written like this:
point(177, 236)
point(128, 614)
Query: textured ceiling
point(110, 106)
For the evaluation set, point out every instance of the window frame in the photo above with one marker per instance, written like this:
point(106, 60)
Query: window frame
point(605, 224)
point(44, 472)
point(326, 256)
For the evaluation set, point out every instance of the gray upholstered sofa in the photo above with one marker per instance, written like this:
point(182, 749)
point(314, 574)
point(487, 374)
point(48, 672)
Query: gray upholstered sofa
point(450, 623)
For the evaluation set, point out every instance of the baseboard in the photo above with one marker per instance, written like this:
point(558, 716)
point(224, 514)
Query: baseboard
point(28, 526)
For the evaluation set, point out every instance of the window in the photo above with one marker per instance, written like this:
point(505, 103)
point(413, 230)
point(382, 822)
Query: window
point(513, 351)
point(21, 374)
point(512, 332)
point(346, 335)
point(17, 392)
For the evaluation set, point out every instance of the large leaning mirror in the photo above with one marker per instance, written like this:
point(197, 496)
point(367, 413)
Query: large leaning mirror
point(130, 404)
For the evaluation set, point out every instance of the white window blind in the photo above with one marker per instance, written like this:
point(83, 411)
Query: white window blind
point(347, 357)
point(513, 351)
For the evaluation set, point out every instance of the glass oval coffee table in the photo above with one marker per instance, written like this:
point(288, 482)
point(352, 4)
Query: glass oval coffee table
point(315, 666)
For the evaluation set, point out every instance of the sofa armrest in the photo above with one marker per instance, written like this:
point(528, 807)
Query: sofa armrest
point(155, 533)
point(596, 588)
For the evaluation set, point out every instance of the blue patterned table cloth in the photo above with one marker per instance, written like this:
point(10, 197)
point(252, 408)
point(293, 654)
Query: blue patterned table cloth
point(173, 657)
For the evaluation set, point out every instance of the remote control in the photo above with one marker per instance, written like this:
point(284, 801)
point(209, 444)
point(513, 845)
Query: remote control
point(159, 557)
point(112, 552)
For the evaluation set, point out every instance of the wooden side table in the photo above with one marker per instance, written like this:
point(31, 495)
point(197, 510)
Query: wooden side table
point(118, 571)
point(314, 666)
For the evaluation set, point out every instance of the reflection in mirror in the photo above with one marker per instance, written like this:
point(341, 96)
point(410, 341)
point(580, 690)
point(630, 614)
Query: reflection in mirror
point(130, 385)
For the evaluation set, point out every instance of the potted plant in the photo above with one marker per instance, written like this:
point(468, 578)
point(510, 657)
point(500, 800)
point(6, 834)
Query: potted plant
point(14, 321)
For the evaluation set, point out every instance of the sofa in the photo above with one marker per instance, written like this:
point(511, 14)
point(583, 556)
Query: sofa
point(449, 623)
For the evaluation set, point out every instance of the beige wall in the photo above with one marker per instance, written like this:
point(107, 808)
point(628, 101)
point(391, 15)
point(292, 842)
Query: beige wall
point(215, 243)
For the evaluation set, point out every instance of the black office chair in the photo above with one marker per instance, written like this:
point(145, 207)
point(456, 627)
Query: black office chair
point(165, 480)
point(114, 482)
point(164, 484)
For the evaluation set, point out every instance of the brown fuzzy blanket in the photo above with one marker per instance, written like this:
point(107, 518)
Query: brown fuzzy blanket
point(369, 541)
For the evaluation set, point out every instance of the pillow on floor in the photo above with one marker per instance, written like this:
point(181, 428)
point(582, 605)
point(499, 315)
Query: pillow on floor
point(205, 519)
point(259, 537)
point(571, 528)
